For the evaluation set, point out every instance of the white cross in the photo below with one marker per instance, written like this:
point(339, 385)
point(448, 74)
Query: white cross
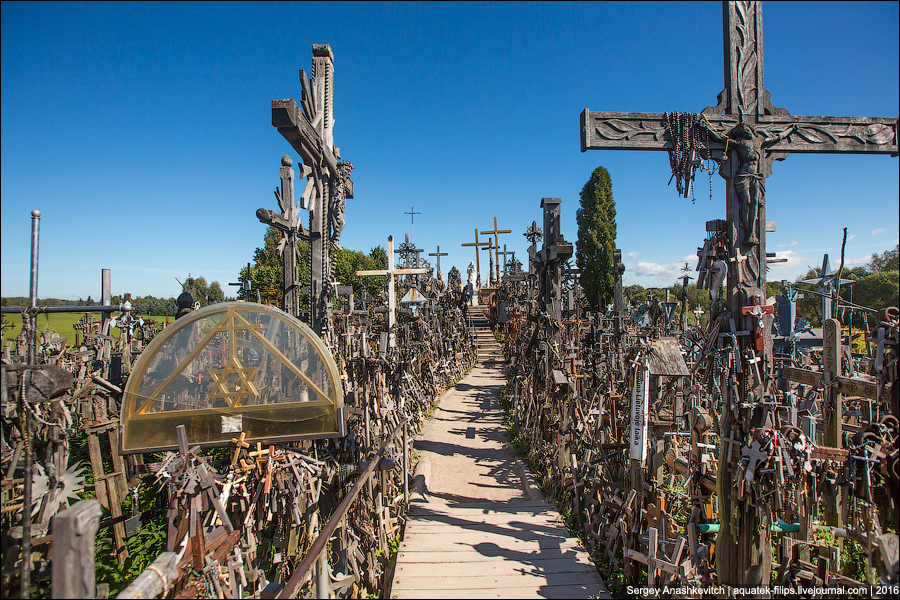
point(392, 294)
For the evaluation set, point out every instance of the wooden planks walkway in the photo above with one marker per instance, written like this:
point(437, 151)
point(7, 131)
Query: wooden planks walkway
point(474, 533)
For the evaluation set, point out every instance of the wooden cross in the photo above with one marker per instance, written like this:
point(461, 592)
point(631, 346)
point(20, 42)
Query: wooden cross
point(391, 271)
point(496, 232)
point(737, 259)
point(744, 99)
point(505, 260)
point(477, 260)
point(533, 235)
point(438, 254)
point(757, 134)
point(238, 444)
point(288, 222)
point(309, 128)
point(490, 248)
point(757, 309)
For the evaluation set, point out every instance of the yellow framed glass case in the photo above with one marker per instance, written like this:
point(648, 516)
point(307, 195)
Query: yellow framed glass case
point(230, 368)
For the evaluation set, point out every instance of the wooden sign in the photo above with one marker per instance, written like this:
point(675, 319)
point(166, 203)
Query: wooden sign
point(640, 409)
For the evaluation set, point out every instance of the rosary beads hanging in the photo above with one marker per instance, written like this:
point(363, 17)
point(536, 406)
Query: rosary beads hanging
point(683, 130)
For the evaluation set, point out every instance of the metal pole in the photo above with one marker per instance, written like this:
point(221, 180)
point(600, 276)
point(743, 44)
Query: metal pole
point(105, 297)
point(33, 288)
point(322, 578)
point(26, 413)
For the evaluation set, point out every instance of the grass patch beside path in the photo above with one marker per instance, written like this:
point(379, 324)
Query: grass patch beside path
point(61, 323)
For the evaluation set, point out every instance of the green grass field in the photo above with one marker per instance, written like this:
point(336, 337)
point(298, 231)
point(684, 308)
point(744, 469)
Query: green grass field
point(61, 323)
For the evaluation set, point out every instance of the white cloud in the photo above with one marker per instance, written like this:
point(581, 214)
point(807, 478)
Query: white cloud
point(849, 263)
point(786, 270)
point(633, 255)
point(791, 245)
point(850, 237)
point(879, 231)
point(666, 271)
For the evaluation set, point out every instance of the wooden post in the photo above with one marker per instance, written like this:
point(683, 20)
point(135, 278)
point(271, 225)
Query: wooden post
point(74, 531)
point(834, 418)
point(405, 466)
point(154, 580)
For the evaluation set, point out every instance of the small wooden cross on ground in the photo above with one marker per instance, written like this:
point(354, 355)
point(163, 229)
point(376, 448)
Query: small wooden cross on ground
point(238, 444)
point(391, 271)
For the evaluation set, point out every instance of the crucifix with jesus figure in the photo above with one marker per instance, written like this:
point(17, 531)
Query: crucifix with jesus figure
point(745, 133)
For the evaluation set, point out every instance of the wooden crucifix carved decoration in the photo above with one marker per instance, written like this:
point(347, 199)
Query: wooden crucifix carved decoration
point(309, 128)
point(755, 133)
point(290, 225)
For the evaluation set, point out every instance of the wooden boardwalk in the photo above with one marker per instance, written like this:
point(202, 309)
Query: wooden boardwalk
point(473, 532)
point(513, 549)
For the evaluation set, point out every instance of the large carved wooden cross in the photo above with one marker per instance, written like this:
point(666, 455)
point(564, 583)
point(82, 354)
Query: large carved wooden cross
point(756, 133)
point(745, 99)
point(309, 129)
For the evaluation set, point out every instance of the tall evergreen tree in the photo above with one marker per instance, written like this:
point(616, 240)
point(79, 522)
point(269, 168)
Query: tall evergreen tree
point(596, 238)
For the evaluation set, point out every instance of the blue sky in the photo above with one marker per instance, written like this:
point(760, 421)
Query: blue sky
point(143, 131)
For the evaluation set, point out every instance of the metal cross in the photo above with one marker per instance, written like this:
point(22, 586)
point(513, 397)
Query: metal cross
point(439, 254)
point(412, 218)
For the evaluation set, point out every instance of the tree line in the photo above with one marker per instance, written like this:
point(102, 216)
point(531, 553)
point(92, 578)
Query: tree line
point(266, 274)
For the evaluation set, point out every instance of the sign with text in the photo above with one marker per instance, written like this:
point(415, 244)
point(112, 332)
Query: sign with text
point(640, 409)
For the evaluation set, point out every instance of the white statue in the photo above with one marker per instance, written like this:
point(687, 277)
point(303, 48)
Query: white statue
point(471, 271)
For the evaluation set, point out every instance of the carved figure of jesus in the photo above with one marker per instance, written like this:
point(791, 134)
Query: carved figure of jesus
point(749, 181)
point(338, 204)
